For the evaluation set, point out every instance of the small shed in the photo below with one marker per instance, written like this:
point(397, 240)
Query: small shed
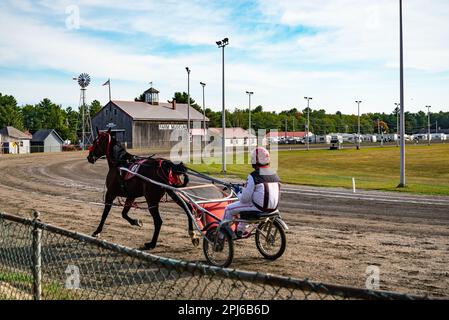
point(46, 140)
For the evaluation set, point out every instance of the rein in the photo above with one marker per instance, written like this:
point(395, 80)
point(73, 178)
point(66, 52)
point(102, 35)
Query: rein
point(108, 149)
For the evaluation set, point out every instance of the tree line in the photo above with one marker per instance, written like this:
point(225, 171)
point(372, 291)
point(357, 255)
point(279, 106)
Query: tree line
point(321, 123)
point(45, 115)
point(67, 121)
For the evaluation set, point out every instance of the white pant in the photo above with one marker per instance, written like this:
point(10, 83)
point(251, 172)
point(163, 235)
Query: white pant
point(235, 208)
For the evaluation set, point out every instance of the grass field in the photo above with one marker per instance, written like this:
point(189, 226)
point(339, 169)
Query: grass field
point(427, 168)
point(23, 287)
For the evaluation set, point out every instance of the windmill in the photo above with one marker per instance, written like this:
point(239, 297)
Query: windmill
point(87, 134)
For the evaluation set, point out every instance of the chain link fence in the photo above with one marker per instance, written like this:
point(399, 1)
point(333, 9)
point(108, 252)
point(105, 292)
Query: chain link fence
point(42, 262)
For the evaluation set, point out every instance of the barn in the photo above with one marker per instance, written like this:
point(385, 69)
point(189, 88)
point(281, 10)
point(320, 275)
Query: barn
point(148, 123)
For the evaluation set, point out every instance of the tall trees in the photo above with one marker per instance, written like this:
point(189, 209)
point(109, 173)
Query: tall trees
point(10, 114)
point(67, 121)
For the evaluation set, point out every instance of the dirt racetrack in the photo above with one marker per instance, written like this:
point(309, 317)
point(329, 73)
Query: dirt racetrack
point(334, 236)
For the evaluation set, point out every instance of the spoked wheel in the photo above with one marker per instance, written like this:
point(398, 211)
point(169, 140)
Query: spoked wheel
point(220, 250)
point(270, 239)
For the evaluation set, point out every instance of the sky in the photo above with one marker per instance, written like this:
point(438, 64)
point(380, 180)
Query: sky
point(335, 51)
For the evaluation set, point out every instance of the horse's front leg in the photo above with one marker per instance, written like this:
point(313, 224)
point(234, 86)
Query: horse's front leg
point(109, 199)
point(128, 204)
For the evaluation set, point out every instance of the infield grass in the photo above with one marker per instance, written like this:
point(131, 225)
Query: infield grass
point(427, 168)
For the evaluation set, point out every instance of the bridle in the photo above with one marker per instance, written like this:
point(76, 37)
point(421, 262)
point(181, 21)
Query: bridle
point(108, 147)
point(172, 177)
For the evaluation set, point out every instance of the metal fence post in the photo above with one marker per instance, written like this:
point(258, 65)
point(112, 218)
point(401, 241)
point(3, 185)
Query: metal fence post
point(37, 234)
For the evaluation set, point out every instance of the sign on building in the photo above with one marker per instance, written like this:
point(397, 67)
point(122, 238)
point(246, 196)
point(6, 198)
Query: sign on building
point(172, 127)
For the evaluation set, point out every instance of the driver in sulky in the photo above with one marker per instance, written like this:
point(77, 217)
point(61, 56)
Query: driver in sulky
point(261, 191)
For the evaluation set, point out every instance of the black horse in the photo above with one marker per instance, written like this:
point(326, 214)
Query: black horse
point(157, 169)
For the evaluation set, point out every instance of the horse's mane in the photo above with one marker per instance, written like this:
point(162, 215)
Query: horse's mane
point(118, 151)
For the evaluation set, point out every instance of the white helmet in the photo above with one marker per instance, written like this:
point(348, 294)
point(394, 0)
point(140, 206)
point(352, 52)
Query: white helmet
point(260, 156)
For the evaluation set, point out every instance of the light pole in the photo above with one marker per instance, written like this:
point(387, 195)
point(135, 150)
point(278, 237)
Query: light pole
point(188, 112)
point(402, 183)
point(222, 44)
point(286, 130)
point(381, 133)
point(397, 121)
point(249, 93)
point(204, 114)
point(428, 124)
point(358, 123)
point(308, 121)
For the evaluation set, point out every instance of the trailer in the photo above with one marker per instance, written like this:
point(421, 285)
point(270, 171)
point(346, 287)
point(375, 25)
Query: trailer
point(337, 142)
point(325, 139)
point(438, 136)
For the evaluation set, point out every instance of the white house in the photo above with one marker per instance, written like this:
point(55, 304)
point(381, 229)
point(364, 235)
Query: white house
point(235, 137)
point(14, 141)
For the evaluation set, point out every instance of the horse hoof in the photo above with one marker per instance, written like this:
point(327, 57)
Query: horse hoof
point(149, 246)
point(196, 242)
point(96, 235)
point(138, 223)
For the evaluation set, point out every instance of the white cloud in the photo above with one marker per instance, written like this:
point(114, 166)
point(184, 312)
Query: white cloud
point(352, 54)
point(368, 31)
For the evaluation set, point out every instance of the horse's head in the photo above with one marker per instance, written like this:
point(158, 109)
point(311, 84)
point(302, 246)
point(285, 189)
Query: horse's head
point(99, 147)
point(176, 173)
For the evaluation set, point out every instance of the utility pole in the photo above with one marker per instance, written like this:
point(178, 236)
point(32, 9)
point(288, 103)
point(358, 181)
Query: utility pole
point(397, 122)
point(204, 114)
point(249, 93)
point(380, 132)
point(402, 182)
point(358, 124)
point(188, 113)
point(428, 124)
point(308, 122)
point(222, 44)
point(286, 130)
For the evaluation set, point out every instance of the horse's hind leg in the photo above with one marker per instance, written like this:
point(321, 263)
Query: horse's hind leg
point(153, 207)
point(128, 204)
point(109, 199)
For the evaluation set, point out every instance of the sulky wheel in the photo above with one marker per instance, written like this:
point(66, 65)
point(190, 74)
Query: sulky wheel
point(218, 248)
point(270, 239)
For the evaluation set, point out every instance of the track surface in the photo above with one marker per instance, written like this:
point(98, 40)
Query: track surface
point(334, 234)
